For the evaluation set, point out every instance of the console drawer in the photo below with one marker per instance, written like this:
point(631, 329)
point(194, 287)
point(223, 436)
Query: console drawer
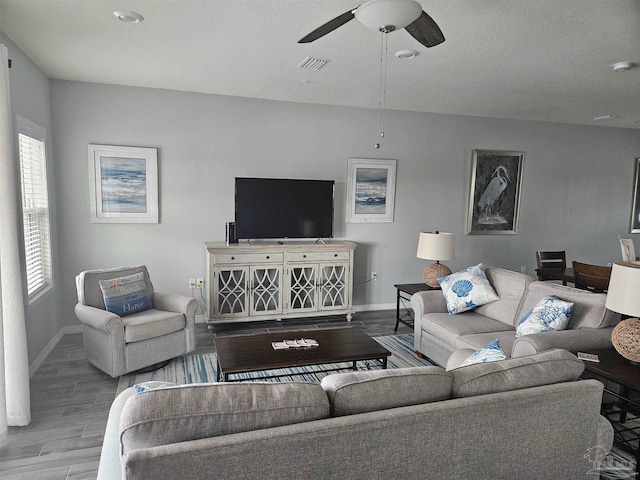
point(317, 256)
point(249, 258)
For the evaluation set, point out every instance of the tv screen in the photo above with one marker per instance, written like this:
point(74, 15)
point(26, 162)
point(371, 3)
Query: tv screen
point(284, 208)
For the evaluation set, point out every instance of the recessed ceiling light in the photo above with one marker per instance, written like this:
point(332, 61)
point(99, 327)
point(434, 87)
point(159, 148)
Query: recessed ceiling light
point(623, 66)
point(406, 54)
point(604, 117)
point(128, 17)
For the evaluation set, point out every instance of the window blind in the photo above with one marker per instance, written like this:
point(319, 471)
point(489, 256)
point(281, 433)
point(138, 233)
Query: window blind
point(35, 211)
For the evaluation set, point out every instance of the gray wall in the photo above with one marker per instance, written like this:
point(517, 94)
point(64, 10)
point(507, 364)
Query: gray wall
point(576, 191)
point(30, 99)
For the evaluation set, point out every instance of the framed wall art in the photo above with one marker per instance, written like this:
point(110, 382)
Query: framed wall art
point(371, 190)
point(494, 195)
point(635, 209)
point(123, 184)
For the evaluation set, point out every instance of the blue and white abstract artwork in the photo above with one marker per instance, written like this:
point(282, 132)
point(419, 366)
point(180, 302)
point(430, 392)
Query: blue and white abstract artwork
point(371, 190)
point(123, 184)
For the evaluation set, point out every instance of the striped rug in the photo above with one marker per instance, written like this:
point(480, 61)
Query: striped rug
point(202, 368)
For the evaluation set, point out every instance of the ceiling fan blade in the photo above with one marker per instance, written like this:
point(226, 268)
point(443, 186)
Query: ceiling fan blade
point(425, 30)
point(328, 27)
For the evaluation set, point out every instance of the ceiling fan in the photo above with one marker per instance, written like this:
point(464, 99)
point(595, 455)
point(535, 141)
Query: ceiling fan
point(387, 16)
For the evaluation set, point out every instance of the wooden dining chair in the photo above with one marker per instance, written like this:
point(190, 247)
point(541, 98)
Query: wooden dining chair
point(594, 278)
point(556, 260)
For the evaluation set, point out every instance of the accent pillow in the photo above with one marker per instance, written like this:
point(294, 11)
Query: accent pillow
point(467, 289)
point(125, 295)
point(549, 314)
point(491, 352)
point(152, 385)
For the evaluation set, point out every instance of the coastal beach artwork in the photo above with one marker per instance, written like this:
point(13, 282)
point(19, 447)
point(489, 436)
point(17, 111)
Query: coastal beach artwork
point(124, 184)
point(370, 190)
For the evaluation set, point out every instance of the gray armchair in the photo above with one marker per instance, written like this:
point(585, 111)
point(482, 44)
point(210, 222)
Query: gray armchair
point(118, 345)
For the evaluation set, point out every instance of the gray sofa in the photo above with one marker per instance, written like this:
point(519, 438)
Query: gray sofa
point(521, 418)
point(437, 334)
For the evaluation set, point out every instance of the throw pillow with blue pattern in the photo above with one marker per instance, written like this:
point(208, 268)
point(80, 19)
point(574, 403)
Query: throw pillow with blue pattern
point(467, 289)
point(491, 352)
point(125, 295)
point(548, 315)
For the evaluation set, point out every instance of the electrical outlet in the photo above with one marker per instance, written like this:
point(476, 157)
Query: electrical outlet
point(199, 283)
point(374, 275)
point(192, 283)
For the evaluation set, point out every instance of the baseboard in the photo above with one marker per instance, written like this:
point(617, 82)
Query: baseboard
point(374, 306)
point(37, 363)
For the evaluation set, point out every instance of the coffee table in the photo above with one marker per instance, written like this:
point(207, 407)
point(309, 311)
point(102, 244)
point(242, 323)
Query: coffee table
point(250, 353)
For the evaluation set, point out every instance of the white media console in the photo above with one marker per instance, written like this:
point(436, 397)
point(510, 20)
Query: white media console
point(273, 280)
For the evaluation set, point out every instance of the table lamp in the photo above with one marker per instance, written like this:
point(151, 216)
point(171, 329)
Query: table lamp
point(623, 298)
point(435, 246)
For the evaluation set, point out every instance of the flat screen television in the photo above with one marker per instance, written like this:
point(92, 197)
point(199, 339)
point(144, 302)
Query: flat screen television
point(272, 208)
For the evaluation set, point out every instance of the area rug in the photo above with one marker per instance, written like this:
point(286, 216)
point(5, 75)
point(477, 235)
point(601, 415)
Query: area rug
point(202, 368)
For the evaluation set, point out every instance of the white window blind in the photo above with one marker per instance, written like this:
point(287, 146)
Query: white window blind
point(35, 209)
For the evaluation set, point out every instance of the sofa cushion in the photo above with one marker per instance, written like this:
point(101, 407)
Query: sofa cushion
point(510, 287)
point(589, 309)
point(491, 352)
point(151, 324)
point(195, 411)
point(360, 392)
point(549, 314)
point(477, 340)
point(467, 289)
point(448, 328)
point(552, 366)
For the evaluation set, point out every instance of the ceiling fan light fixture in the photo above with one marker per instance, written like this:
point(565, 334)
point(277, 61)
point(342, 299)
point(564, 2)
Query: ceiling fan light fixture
point(382, 14)
point(128, 17)
point(623, 66)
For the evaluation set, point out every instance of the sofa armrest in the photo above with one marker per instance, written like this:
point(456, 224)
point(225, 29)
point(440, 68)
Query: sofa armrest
point(605, 439)
point(175, 303)
point(110, 467)
point(98, 318)
point(578, 340)
point(430, 301)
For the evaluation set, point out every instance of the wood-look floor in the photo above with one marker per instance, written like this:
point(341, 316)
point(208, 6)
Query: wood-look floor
point(70, 400)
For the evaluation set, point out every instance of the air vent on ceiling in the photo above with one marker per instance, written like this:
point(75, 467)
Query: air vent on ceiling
point(311, 63)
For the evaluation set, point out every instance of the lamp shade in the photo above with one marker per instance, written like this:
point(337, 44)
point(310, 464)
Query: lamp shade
point(624, 285)
point(377, 14)
point(436, 246)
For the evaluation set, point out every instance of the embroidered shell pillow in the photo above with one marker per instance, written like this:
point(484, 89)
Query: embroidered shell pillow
point(549, 314)
point(467, 289)
point(491, 352)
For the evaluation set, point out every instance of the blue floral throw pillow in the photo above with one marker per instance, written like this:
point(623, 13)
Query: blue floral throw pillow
point(467, 289)
point(549, 314)
point(491, 352)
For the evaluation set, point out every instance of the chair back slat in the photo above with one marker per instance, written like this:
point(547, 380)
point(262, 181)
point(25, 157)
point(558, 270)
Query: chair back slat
point(594, 278)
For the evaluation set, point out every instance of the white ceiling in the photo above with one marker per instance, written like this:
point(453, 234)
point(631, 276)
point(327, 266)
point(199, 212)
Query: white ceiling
point(519, 59)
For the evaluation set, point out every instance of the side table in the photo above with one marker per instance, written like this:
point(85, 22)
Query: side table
point(617, 370)
point(404, 292)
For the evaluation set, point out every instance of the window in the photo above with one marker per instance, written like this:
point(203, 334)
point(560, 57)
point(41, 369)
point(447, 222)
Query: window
point(35, 207)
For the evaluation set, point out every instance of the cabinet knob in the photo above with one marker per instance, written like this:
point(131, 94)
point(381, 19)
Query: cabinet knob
point(233, 258)
point(335, 254)
point(268, 257)
point(304, 256)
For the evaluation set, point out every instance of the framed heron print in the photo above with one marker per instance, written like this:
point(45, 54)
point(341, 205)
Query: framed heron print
point(124, 184)
point(494, 196)
point(371, 190)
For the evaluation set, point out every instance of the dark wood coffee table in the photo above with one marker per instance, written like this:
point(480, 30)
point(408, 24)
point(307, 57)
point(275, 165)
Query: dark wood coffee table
point(250, 353)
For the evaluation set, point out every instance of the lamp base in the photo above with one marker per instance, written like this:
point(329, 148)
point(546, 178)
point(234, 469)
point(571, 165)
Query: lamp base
point(433, 272)
point(626, 339)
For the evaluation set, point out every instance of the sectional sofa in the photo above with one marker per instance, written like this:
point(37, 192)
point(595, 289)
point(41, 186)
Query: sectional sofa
point(521, 418)
point(438, 334)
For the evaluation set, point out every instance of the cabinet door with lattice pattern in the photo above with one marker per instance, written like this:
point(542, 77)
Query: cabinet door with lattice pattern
point(333, 282)
point(303, 291)
point(231, 292)
point(266, 289)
